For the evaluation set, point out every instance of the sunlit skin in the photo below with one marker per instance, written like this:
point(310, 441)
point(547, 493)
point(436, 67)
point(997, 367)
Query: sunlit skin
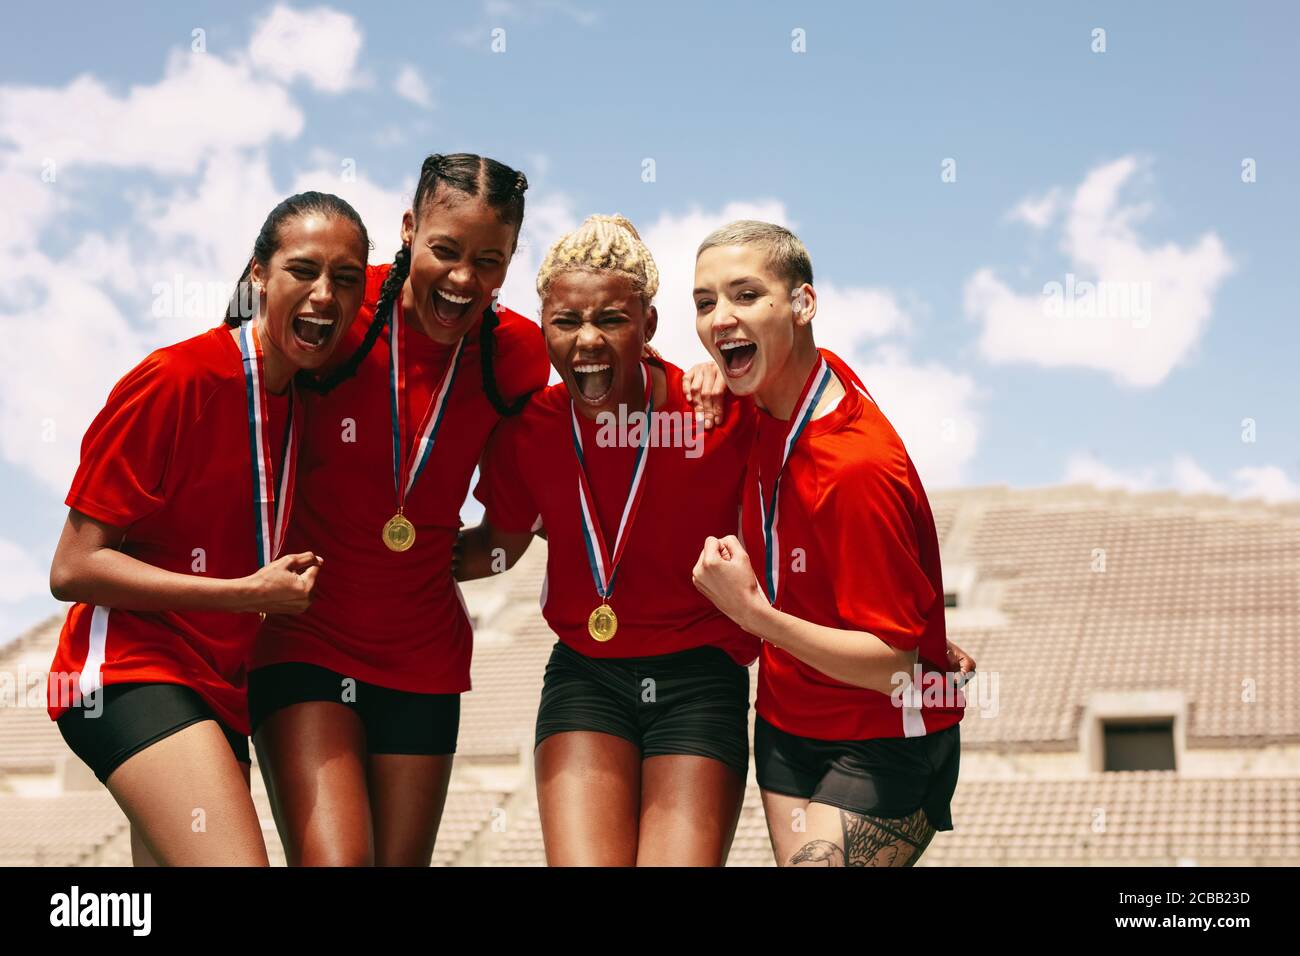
point(460, 248)
point(739, 298)
point(593, 318)
point(317, 277)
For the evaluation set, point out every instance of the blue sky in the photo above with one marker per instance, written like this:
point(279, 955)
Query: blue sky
point(1120, 167)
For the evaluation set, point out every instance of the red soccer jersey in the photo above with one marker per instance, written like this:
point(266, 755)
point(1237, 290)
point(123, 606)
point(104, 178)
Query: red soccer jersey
point(858, 551)
point(531, 469)
point(168, 459)
point(395, 619)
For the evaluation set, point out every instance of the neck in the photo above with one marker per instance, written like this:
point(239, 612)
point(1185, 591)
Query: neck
point(276, 370)
point(779, 396)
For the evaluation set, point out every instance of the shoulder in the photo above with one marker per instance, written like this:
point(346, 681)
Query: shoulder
point(520, 361)
point(203, 361)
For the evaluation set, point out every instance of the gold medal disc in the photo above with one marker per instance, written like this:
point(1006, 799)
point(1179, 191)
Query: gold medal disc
point(399, 534)
point(603, 623)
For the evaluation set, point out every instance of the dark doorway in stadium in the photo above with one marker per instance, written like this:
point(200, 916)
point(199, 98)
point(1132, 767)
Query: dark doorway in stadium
point(1139, 745)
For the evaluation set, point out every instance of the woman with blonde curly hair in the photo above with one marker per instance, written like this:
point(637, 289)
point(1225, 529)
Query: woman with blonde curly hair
point(641, 742)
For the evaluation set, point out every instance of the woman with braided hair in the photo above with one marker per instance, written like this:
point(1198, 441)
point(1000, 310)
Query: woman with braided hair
point(355, 705)
point(642, 732)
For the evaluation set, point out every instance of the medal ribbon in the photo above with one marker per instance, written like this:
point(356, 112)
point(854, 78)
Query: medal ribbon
point(804, 408)
point(604, 565)
point(404, 477)
point(271, 509)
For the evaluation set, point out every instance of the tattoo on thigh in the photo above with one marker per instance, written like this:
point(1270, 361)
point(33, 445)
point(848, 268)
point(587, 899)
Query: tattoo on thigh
point(818, 851)
point(875, 841)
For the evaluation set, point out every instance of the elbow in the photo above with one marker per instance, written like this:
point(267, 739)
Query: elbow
point(62, 582)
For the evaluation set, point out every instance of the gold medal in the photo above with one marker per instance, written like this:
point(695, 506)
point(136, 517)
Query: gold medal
point(399, 534)
point(603, 623)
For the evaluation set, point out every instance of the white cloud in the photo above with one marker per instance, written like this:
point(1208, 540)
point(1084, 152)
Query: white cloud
point(1139, 340)
point(1037, 212)
point(1268, 482)
point(64, 346)
point(1184, 474)
point(318, 45)
point(202, 103)
point(1084, 468)
point(410, 85)
point(20, 577)
point(1190, 478)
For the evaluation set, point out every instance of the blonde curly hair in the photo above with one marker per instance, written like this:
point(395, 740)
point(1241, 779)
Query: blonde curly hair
point(602, 243)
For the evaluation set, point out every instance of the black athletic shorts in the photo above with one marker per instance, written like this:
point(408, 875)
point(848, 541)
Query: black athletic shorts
point(396, 721)
point(693, 702)
point(888, 777)
point(132, 717)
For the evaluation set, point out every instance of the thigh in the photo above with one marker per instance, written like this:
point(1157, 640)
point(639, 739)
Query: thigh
point(689, 809)
point(588, 795)
point(407, 796)
point(187, 799)
point(839, 837)
point(313, 759)
point(787, 823)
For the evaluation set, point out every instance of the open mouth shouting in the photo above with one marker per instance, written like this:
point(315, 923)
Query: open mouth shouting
point(737, 356)
point(311, 332)
point(449, 308)
point(595, 380)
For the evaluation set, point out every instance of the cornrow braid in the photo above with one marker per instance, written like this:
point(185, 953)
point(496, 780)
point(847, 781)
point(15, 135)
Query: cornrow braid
point(502, 189)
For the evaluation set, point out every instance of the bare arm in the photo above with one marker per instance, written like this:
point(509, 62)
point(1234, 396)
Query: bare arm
point(483, 550)
point(724, 575)
point(89, 568)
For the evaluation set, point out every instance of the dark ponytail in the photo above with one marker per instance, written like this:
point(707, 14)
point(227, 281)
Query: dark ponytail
point(502, 188)
point(268, 242)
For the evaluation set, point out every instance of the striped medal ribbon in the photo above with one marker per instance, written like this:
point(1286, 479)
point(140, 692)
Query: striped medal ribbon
point(399, 533)
point(603, 623)
point(804, 408)
point(271, 508)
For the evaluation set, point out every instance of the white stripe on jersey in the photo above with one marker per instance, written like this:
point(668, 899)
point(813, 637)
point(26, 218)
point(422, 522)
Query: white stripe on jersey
point(90, 678)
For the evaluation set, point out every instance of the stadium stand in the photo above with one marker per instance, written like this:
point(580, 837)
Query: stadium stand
point(1151, 634)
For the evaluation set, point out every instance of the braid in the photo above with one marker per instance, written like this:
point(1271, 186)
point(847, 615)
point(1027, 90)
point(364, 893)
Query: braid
point(602, 243)
point(388, 294)
point(486, 346)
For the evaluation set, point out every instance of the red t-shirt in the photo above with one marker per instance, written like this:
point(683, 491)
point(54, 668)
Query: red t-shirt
point(858, 552)
point(531, 469)
point(388, 618)
point(168, 459)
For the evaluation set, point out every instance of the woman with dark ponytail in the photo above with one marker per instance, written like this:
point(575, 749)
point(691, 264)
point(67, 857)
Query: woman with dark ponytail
point(172, 545)
point(355, 705)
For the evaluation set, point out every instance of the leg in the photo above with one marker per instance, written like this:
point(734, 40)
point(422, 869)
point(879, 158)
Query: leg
point(838, 837)
point(689, 810)
point(140, 855)
point(313, 758)
point(787, 823)
point(407, 796)
point(188, 802)
point(588, 794)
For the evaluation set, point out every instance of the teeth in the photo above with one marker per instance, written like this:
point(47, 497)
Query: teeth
point(590, 368)
point(316, 320)
point(732, 344)
point(459, 300)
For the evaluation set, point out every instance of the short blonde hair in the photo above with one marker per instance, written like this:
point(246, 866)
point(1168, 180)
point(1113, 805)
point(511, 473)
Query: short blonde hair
point(602, 244)
point(786, 255)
